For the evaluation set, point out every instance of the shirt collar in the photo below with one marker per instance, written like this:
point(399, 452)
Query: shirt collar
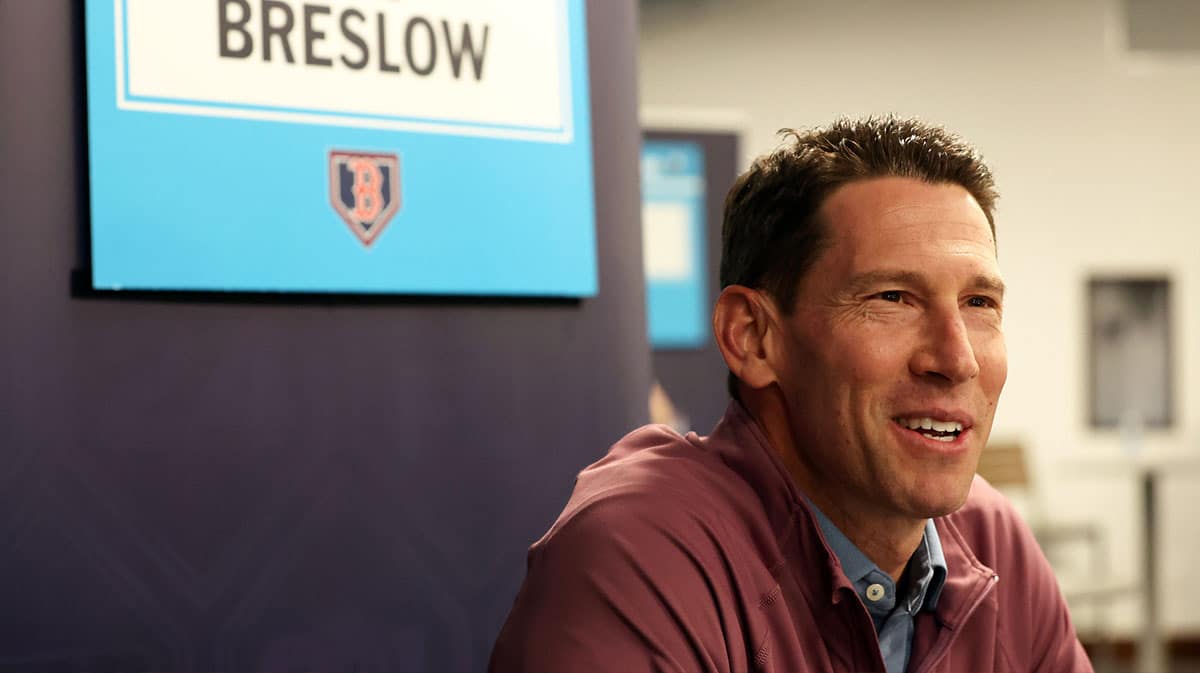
point(937, 561)
point(855, 564)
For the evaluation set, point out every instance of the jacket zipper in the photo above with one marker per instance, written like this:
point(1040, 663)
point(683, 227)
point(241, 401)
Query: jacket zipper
point(943, 645)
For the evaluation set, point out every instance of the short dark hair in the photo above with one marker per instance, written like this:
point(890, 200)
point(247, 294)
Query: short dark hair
point(771, 234)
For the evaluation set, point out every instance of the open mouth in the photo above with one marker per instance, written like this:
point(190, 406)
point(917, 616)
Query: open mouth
point(941, 431)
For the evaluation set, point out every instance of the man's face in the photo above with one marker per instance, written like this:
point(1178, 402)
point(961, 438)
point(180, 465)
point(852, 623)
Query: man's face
point(896, 328)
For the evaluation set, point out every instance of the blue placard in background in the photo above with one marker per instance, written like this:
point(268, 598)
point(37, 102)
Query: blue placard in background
point(426, 147)
point(673, 217)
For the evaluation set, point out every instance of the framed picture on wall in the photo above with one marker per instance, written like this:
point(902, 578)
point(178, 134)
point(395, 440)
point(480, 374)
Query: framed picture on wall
point(686, 172)
point(1129, 352)
point(674, 242)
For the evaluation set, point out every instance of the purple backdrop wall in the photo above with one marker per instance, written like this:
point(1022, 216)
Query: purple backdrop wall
point(235, 486)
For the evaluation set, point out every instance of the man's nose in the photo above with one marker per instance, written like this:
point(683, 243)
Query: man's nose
point(945, 351)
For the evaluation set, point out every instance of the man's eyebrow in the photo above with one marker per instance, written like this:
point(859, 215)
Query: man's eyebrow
point(874, 279)
point(989, 283)
point(871, 280)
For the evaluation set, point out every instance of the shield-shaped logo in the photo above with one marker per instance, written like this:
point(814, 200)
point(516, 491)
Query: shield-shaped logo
point(364, 188)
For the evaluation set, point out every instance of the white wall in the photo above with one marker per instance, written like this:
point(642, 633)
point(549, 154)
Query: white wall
point(1097, 156)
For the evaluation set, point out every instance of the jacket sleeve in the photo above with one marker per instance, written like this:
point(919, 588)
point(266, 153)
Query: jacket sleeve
point(623, 585)
point(1038, 614)
point(1056, 645)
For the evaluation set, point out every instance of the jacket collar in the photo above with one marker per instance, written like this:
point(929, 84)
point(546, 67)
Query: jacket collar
point(929, 571)
point(741, 444)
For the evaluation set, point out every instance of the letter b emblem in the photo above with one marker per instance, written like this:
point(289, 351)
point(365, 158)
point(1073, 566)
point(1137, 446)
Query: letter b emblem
point(364, 189)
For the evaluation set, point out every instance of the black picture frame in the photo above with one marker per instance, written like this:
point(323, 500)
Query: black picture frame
point(1130, 359)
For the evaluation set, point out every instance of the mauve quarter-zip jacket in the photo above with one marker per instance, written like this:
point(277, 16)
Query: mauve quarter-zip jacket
point(699, 554)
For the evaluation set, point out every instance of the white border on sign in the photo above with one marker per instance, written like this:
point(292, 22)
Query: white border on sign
point(564, 135)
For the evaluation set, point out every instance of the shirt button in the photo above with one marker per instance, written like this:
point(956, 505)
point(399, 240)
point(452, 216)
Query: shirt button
point(875, 592)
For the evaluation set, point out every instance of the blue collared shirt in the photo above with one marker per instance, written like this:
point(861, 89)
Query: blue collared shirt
point(893, 616)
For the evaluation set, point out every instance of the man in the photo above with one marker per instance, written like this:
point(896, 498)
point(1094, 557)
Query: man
point(832, 521)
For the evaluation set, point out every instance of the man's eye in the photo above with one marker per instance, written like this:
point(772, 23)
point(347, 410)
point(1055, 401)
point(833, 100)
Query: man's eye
point(891, 295)
point(979, 302)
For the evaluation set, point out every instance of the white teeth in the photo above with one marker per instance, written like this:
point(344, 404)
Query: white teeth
point(930, 424)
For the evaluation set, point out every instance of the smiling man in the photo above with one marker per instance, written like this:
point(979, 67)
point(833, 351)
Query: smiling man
point(832, 521)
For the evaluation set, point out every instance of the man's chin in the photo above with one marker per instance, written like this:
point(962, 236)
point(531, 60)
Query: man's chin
point(933, 505)
point(938, 497)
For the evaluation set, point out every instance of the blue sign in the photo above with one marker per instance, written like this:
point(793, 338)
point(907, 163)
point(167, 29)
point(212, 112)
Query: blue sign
point(673, 235)
point(351, 146)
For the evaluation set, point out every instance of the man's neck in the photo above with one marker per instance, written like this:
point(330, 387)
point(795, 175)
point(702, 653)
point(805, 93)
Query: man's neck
point(888, 539)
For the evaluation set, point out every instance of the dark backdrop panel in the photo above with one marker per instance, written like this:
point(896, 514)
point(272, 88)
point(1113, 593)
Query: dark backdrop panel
point(694, 379)
point(271, 486)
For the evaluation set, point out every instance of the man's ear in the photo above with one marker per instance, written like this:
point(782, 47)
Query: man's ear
point(744, 322)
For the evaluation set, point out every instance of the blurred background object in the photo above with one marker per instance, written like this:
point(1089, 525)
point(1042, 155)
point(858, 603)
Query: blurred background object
point(1130, 355)
point(685, 174)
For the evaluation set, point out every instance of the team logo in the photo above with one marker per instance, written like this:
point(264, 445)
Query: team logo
point(365, 190)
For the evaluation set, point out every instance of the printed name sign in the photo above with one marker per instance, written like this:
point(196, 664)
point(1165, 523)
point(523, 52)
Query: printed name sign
point(417, 147)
